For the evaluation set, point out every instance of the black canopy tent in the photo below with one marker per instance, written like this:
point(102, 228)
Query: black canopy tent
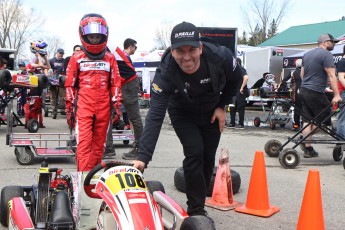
point(289, 61)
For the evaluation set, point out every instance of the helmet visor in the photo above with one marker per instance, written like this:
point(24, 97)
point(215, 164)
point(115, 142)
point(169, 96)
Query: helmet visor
point(94, 28)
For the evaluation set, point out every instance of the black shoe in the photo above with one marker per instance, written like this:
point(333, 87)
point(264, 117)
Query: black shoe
point(310, 152)
point(131, 155)
point(240, 127)
point(109, 153)
point(230, 126)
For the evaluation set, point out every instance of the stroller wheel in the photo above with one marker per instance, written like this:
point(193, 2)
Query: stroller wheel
point(337, 153)
point(33, 126)
point(289, 158)
point(272, 148)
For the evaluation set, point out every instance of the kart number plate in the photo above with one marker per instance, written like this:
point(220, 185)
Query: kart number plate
point(125, 181)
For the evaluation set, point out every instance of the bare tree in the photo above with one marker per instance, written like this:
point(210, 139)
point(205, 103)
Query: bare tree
point(260, 15)
point(163, 33)
point(54, 43)
point(17, 25)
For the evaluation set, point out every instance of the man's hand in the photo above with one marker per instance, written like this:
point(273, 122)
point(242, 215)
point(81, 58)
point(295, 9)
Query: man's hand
point(336, 99)
point(139, 165)
point(220, 115)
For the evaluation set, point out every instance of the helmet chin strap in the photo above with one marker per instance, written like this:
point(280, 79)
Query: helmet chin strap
point(94, 56)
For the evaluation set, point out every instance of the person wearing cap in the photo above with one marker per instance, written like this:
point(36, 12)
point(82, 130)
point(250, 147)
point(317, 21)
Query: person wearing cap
point(57, 65)
point(194, 82)
point(23, 92)
point(317, 68)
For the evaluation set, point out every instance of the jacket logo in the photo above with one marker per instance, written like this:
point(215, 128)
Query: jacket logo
point(156, 88)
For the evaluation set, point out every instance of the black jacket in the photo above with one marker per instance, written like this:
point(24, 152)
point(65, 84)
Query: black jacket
point(168, 90)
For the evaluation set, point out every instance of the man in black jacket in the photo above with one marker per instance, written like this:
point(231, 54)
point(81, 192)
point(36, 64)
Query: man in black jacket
point(195, 81)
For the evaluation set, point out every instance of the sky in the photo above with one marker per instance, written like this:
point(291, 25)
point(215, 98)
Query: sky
point(139, 19)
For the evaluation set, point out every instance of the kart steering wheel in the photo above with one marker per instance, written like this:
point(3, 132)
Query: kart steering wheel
point(104, 164)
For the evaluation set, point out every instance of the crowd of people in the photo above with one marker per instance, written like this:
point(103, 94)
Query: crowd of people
point(195, 82)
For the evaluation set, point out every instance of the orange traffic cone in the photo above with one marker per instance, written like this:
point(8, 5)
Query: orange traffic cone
point(257, 197)
point(311, 214)
point(222, 195)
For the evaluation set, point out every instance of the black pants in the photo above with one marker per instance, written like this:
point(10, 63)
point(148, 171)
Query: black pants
point(240, 106)
point(200, 140)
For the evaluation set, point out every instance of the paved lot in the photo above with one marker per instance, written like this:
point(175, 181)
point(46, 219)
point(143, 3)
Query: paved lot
point(286, 187)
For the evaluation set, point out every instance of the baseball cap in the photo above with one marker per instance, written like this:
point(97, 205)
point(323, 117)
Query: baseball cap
point(185, 34)
point(327, 37)
point(60, 51)
point(21, 63)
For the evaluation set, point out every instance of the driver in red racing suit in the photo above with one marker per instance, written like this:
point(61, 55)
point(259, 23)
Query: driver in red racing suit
point(92, 75)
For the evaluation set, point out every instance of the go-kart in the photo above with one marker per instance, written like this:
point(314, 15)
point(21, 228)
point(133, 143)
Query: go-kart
point(127, 202)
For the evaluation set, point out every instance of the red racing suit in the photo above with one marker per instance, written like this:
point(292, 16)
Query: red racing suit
point(92, 82)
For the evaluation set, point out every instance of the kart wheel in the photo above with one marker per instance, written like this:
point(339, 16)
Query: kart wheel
point(272, 125)
point(33, 126)
point(25, 158)
point(257, 121)
point(46, 111)
point(272, 148)
point(126, 142)
point(43, 200)
point(155, 186)
point(338, 153)
point(7, 193)
point(54, 114)
point(180, 183)
point(289, 158)
point(197, 223)
point(5, 77)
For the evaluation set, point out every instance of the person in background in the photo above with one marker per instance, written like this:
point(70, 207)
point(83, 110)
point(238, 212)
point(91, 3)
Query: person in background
point(93, 78)
point(240, 100)
point(317, 68)
point(57, 65)
point(23, 91)
point(296, 81)
point(130, 91)
point(76, 49)
point(341, 87)
point(194, 82)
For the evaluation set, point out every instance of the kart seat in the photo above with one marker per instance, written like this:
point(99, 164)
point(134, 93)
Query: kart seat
point(61, 214)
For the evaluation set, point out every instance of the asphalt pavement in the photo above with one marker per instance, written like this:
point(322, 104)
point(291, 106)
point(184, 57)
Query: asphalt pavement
point(285, 186)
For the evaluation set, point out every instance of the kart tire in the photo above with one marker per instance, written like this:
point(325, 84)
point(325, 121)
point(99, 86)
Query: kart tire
point(46, 111)
point(198, 223)
point(7, 193)
point(5, 78)
point(33, 126)
point(338, 153)
point(257, 121)
point(272, 148)
point(180, 183)
point(155, 186)
point(25, 159)
point(289, 158)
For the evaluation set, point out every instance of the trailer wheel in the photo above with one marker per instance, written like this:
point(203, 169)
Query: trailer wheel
point(272, 125)
point(197, 223)
point(180, 183)
point(33, 126)
point(289, 158)
point(338, 153)
point(155, 186)
point(46, 111)
point(126, 142)
point(272, 148)
point(25, 158)
point(7, 194)
point(257, 121)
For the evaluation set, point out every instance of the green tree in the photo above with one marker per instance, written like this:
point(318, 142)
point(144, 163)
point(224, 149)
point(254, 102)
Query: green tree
point(273, 30)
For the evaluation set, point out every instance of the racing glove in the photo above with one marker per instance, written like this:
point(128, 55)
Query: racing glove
point(70, 114)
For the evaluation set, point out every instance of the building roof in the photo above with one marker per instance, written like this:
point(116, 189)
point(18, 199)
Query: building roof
point(306, 34)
